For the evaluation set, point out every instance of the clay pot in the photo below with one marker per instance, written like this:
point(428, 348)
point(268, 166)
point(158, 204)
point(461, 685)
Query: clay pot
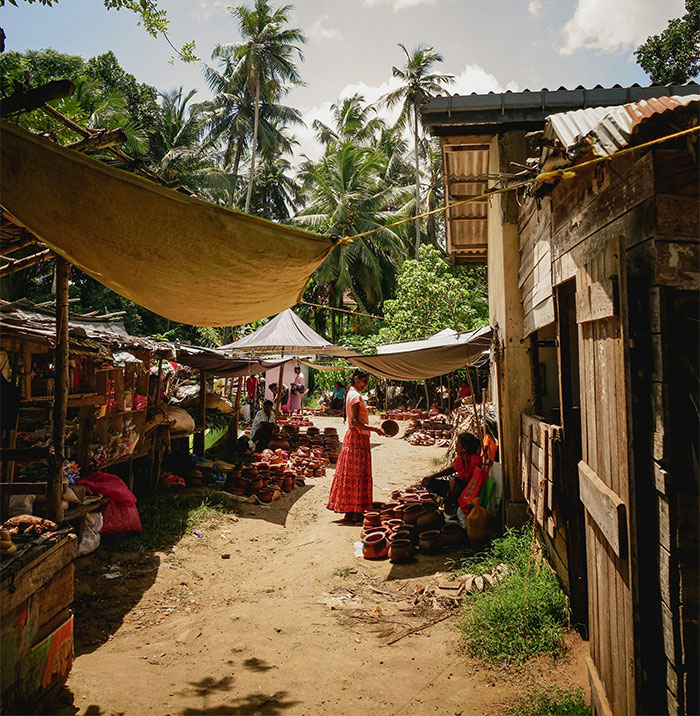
point(398, 513)
point(319, 472)
point(425, 496)
point(452, 534)
point(369, 530)
point(411, 512)
point(375, 546)
point(386, 514)
point(431, 519)
point(371, 519)
point(400, 550)
point(394, 524)
point(406, 532)
point(429, 541)
point(378, 506)
point(266, 494)
point(390, 427)
point(288, 484)
point(256, 484)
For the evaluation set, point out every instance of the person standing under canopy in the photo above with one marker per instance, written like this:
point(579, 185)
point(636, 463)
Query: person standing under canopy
point(251, 386)
point(351, 490)
point(296, 390)
point(263, 426)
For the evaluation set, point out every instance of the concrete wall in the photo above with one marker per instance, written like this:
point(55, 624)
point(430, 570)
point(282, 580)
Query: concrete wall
point(512, 364)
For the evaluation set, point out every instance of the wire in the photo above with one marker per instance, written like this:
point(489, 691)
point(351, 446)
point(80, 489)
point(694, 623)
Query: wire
point(368, 315)
point(567, 173)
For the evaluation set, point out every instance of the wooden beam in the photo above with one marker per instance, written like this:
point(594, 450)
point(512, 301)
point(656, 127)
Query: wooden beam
point(605, 508)
point(23, 488)
point(598, 695)
point(54, 489)
point(278, 397)
point(597, 301)
point(34, 98)
point(26, 262)
point(100, 140)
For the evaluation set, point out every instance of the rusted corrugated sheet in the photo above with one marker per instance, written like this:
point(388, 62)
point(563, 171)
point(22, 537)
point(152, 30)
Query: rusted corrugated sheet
point(607, 129)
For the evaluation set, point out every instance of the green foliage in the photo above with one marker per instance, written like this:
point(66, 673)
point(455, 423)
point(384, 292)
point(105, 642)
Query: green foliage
point(673, 56)
point(523, 615)
point(435, 296)
point(151, 18)
point(166, 518)
point(546, 700)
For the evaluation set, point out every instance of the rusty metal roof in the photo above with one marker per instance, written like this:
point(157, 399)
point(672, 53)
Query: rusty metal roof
point(605, 130)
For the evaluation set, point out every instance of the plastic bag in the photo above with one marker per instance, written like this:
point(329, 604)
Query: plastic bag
point(470, 494)
point(477, 519)
point(91, 535)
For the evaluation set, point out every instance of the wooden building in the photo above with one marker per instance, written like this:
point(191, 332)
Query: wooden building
point(596, 280)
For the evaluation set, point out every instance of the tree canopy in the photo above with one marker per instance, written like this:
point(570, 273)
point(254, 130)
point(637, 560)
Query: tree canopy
point(673, 56)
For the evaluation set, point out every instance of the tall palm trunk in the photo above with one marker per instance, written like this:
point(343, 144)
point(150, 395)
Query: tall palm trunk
point(254, 148)
point(415, 139)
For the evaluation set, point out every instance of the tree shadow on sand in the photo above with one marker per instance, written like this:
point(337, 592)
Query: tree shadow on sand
point(251, 705)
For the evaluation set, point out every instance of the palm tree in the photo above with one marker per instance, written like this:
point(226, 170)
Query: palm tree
point(263, 62)
point(418, 85)
point(348, 196)
point(353, 120)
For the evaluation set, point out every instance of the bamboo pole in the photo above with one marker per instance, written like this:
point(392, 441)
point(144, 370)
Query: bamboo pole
point(473, 401)
point(278, 397)
point(54, 486)
point(158, 379)
point(199, 438)
point(442, 397)
point(427, 397)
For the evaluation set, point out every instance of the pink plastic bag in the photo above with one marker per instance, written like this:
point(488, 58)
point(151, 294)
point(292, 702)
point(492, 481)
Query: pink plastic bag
point(120, 513)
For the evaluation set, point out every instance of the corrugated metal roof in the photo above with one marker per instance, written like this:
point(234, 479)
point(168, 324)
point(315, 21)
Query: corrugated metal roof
point(607, 129)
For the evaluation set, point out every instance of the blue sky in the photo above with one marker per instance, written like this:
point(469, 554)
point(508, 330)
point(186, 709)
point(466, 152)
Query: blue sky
point(352, 44)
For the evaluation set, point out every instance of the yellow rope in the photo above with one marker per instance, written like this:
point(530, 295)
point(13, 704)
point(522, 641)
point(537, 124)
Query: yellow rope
point(567, 173)
point(368, 315)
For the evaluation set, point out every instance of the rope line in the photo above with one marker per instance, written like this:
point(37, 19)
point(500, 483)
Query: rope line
point(368, 315)
point(564, 173)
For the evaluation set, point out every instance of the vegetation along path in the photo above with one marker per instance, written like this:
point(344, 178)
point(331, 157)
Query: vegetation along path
point(269, 612)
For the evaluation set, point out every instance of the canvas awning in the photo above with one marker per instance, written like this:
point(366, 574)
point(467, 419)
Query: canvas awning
point(183, 258)
point(286, 334)
point(434, 356)
point(217, 363)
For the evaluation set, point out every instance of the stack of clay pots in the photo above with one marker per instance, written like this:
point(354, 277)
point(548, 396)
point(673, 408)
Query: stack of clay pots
point(402, 413)
point(296, 420)
point(309, 462)
point(331, 444)
point(410, 521)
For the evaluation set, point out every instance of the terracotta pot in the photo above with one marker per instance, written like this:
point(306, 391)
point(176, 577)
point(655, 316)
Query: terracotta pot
point(375, 546)
point(378, 506)
point(452, 534)
point(425, 496)
point(319, 472)
point(399, 513)
point(256, 484)
point(406, 532)
point(429, 541)
point(369, 530)
point(396, 494)
point(265, 495)
point(411, 512)
point(430, 520)
point(390, 427)
point(372, 519)
point(394, 524)
point(386, 514)
point(288, 484)
point(400, 550)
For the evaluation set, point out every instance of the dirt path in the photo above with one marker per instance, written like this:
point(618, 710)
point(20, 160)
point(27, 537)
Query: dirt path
point(292, 623)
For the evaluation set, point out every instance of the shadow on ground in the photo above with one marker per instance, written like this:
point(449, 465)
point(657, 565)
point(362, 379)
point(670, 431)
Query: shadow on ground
point(251, 705)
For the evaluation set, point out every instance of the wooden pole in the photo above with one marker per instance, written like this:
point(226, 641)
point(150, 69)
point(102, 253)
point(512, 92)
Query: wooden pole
point(199, 438)
point(158, 379)
point(473, 401)
point(450, 388)
point(427, 397)
point(236, 407)
point(278, 397)
point(442, 397)
point(54, 486)
point(386, 395)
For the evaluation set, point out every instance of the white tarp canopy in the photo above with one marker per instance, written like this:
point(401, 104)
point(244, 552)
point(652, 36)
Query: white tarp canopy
point(437, 355)
point(286, 334)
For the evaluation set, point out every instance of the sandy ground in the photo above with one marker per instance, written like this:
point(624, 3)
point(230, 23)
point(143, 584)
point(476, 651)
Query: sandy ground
point(292, 623)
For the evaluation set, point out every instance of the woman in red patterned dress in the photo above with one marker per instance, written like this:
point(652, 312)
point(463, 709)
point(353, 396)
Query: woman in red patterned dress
point(351, 491)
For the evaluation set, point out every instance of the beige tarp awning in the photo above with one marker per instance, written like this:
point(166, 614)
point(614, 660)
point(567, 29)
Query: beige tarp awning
point(183, 258)
point(445, 352)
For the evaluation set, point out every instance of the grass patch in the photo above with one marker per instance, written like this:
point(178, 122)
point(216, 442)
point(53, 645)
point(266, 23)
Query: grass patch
point(166, 518)
point(524, 615)
point(550, 701)
point(344, 572)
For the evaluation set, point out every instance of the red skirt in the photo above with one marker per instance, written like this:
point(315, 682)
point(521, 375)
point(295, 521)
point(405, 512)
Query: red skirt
point(351, 490)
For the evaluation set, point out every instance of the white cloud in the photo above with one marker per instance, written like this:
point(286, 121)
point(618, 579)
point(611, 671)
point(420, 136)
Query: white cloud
point(616, 25)
point(535, 7)
point(472, 79)
point(320, 31)
point(206, 8)
point(398, 4)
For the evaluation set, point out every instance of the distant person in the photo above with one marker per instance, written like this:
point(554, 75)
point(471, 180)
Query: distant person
point(283, 399)
point(296, 391)
point(338, 397)
point(351, 490)
point(251, 385)
point(263, 426)
point(464, 392)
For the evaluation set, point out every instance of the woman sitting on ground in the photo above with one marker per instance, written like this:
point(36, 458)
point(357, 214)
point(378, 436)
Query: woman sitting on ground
point(338, 397)
point(450, 482)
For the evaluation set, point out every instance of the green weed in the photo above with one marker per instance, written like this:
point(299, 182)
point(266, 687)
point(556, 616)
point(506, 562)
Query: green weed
point(550, 701)
point(523, 615)
point(344, 572)
point(166, 518)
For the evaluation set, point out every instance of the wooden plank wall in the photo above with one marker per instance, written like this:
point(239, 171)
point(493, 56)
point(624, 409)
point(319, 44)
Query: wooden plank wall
point(540, 477)
point(535, 273)
point(664, 328)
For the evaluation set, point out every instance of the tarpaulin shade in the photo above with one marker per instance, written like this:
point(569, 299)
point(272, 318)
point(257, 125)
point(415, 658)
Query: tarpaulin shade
point(183, 258)
point(442, 356)
point(286, 334)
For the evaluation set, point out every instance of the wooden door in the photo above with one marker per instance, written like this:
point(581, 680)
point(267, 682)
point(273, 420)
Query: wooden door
point(604, 480)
